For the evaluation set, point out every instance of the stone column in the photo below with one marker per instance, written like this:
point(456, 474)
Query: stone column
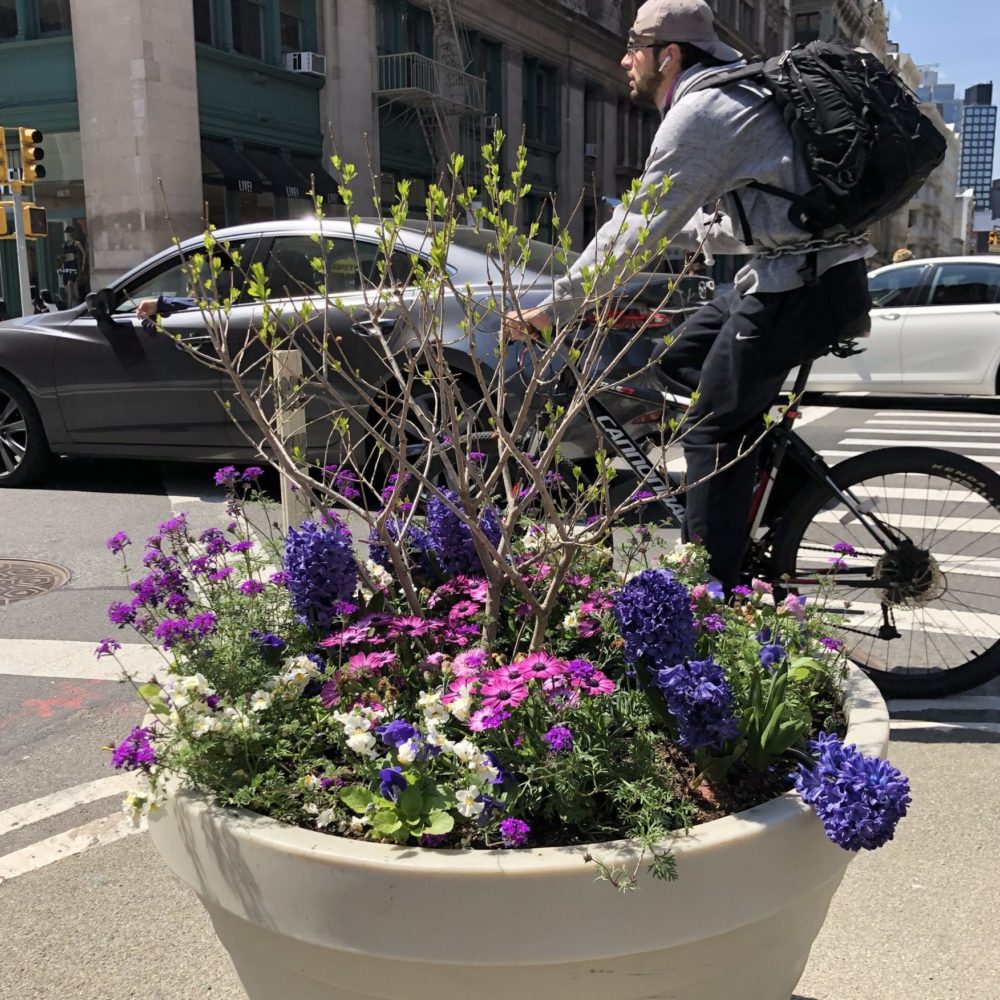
point(513, 104)
point(571, 172)
point(138, 98)
point(347, 102)
point(608, 158)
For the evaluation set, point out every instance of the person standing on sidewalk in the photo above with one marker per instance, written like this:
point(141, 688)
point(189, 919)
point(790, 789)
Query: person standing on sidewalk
point(789, 304)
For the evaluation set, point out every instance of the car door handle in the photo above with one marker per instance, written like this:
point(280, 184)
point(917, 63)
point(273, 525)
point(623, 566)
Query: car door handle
point(384, 324)
point(889, 316)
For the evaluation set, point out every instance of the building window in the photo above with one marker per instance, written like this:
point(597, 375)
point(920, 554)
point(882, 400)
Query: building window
point(203, 22)
point(54, 17)
point(291, 25)
point(748, 19)
point(248, 33)
point(8, 20)
point(540, 100)
point(806, 27)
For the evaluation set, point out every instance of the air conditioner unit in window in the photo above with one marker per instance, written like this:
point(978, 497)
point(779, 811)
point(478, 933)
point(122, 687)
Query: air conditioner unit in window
point(311, 63)
point(590, 149)
point(387, 188)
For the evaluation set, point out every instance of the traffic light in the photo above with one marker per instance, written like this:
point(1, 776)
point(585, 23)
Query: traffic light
point(32, 155)
point(36, 222)
point(4, 163)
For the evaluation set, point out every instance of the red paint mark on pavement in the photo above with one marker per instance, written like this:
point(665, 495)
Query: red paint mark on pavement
point(68, 698)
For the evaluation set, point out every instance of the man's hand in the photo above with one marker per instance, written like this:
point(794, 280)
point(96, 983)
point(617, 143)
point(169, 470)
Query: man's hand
point(526, 324)
point(146, 309)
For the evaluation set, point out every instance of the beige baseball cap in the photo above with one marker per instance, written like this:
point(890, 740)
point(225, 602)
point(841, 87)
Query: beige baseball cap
point(681, 21)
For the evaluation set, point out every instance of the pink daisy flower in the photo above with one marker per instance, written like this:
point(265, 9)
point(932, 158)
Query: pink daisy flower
point(540, 665)
point(501, 693)
point(487, 718)
point(368, 663)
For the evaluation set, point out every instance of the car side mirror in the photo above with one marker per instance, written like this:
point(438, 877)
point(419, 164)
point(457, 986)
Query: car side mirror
point(100, 304)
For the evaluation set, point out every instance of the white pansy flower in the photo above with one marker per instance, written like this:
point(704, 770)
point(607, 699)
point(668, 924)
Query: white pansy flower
point(435, 738)
point(486, 773)
point(434, 710)
point(466, 801)
point(310, 781)
point(363, 743)
point(571, 623)
point(260, 700)
point(353, 722)
point(325, 818)
point(357, 823)
point(236, 720)
point(467, 752)
point(407, 752)
point(135, 806)
point(311, 808)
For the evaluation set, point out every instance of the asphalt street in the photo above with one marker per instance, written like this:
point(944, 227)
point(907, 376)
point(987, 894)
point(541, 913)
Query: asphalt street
point(88, 911)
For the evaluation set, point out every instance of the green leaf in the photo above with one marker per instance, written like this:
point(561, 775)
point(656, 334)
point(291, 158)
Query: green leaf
point(386, 822)
point(439, 822)
point(149, 692)
point(356, 798)
point(802, 666)
point(410, 803)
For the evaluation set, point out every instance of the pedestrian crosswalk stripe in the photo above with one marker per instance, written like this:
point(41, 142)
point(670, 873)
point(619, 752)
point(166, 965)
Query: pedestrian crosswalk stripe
point(62, 801)
point(941, 621)
point(957, 703)
point(927, 431)
point(105, 830)
point(928, 413)
point(887, 442)
point(921, 522)
point(982, 727)
point(932, 423)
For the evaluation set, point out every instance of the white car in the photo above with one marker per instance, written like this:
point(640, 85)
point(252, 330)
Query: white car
point(935, 329)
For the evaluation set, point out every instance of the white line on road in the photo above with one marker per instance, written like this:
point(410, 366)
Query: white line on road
point(926, 414)
point(105, 830)
point(64, 800)
point(75, 660)
point(926, 429)
point(960, 703)
point(982, 625)
point(917, 522)
point(983, 727)
point(810, 414)
point(952, 445)
point(931, 423)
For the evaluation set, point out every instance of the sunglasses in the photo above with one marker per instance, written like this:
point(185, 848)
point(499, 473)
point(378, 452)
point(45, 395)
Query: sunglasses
point(632, 47)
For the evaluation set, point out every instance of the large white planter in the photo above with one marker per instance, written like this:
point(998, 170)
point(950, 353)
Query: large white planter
point(309, 916)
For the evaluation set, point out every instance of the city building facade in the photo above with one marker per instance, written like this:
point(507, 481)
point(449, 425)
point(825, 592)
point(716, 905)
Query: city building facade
point(979, 129)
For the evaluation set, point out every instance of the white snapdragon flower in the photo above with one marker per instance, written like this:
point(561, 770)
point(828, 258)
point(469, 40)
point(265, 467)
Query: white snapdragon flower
point(380, 576)
point(466, 801)
point(364, 744)
point(237, 721)
point(357, 823)
point(299, 671)
point(571, 623)
point(260, 700)
point(205, 724)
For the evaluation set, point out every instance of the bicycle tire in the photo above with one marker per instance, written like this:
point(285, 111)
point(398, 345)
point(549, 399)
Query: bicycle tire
point(952, 602)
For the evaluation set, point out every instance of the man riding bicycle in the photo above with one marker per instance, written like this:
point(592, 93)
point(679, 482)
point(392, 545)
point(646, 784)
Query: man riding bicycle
point(790, 303)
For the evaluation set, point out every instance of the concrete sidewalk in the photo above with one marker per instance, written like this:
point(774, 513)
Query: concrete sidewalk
point(915, 921)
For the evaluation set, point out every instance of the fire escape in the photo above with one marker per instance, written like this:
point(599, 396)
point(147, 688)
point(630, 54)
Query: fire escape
point(449, 102)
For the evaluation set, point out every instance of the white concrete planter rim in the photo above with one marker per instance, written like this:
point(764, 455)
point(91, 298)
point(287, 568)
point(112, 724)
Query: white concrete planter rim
point(731, 871)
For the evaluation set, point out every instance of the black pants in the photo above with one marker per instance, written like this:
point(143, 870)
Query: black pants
point(737, 351)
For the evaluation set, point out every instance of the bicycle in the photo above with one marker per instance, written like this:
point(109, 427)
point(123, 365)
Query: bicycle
point(893, 538)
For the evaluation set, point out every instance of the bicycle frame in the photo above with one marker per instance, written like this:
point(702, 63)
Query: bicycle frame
point(787, 445)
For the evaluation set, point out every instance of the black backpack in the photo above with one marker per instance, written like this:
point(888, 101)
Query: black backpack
point(867, 146)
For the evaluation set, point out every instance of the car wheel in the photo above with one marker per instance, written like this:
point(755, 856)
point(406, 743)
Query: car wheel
point(24, 450)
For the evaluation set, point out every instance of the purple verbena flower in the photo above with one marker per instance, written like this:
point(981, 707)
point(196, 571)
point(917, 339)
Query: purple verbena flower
point(251, 587)
point(107, 647)
point(844, 549)
point(226, 476)
point(117, 542)
point(135, 751)
point(834, 645)
point(514, 832)
point(559, 739)
point(859, 799)
point(253, 473)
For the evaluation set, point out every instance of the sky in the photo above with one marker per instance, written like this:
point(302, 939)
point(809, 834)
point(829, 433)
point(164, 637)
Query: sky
point(962, 36)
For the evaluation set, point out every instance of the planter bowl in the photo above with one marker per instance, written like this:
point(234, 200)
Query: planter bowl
point(311, 916)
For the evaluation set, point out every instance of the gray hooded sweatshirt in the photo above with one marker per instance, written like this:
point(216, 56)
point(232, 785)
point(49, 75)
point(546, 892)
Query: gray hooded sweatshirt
point(710, 143)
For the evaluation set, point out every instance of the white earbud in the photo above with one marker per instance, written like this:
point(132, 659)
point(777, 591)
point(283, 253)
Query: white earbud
point(666, 59)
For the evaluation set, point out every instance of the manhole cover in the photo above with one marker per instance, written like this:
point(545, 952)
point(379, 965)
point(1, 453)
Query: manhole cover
point(21, 579)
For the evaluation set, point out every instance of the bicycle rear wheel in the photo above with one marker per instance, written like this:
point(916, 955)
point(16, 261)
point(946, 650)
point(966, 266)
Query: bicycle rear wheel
point(921, 610)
